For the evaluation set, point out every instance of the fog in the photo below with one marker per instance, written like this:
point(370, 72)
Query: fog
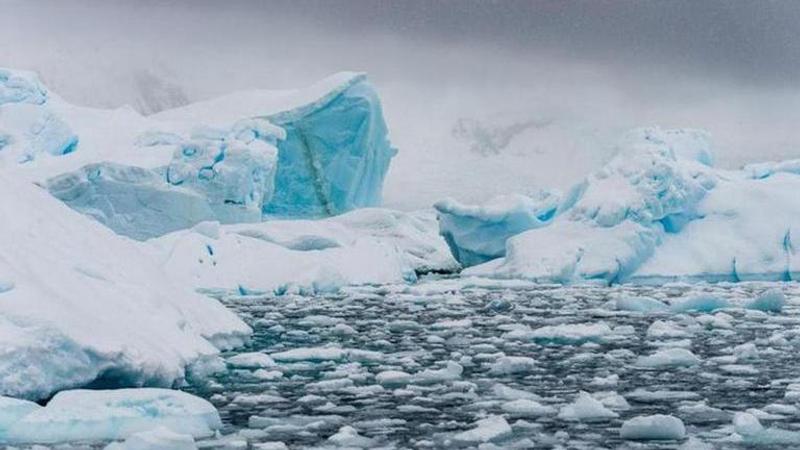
point(555, 82)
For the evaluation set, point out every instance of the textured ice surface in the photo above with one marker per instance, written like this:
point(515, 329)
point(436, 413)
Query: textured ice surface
point(476, 234)
point(659, 212)
point(88, 306)
point(226, 177)
point(159, 438)
point(363, 246)
point(223, 159)
point(29, 127)
point(335, 155)
point(88, 415)
point(651, 428)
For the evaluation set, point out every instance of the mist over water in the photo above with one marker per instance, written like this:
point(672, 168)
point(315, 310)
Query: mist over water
point(518, 94)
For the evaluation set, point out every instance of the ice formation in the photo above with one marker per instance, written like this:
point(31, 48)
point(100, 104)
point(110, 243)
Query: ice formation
point(477, 234)
point(98, 415)
point(314, 152)
point(660, 212)
point(379, 246)
point(85, 306)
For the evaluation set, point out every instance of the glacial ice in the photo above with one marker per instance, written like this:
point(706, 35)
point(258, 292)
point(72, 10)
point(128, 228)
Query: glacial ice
point(380, 246)
point(90, 307)
point(476, 234)
point(660, 212)
point(29, 128)
point(313, 152)
point(103, 415)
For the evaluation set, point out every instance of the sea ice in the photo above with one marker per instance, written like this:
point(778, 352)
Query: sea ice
point(98, 415)
point(655, 427)
point(586, 408)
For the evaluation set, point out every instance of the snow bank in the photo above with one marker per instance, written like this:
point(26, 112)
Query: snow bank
point(85, 306)
point(366, 246)
point(659, 212)
point(87, 415)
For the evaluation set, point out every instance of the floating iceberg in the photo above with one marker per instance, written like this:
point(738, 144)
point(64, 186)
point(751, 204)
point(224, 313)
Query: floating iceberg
point(314, 152)
point(87, 307)
point(378, 246)
point(660, 212)
point(87, 415)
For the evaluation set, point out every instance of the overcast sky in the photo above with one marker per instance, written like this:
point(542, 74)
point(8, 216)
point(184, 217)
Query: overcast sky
point(590, 68)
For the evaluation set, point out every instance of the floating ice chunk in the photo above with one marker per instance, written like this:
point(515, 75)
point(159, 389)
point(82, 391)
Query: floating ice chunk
point(586, 408)
point(508, 365)
point(770, 301)
point(451, 372)
point(745, 352)
point(640, 304)
point(752, 432)
point(393, 378)
point(270, 446)
point(671, 357)
point(695, 444)
point(666, 329)
point(527, 408)
point(566, 334)
point(349, 437)
point(310, 354)
point(477, 234)
point(254, 360)
point(702, 303)
point(612, 400)
point(158, 438)
point(645, 396)
point(486, 430)
point(657, 427)
point(701, 413)
point(509, 393)
point(84, 415)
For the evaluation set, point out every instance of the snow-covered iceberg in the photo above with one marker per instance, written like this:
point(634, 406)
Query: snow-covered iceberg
point(366, 246)
point(313, 152)
point(81, 306)
point(659, 212)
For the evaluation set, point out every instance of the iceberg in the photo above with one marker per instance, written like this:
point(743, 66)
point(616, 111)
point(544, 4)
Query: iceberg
point(85, 307)
point(660, 212)
point(104, 415)
point(476, 234)
point(379, 246)
point(308, 153)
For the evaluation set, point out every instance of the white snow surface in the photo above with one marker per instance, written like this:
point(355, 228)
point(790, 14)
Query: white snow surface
point(102, 415)
point(365, 246)
point(84, 303)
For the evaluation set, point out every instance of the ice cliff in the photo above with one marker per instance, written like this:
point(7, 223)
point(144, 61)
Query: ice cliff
point(658, 211)
point(306, 153)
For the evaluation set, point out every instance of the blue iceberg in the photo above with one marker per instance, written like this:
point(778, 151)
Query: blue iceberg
point(660, 212)
point(476, 234)
point(295, 154)
point(335, 155)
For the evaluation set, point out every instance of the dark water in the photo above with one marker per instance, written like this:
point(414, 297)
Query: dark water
point(305, 401)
